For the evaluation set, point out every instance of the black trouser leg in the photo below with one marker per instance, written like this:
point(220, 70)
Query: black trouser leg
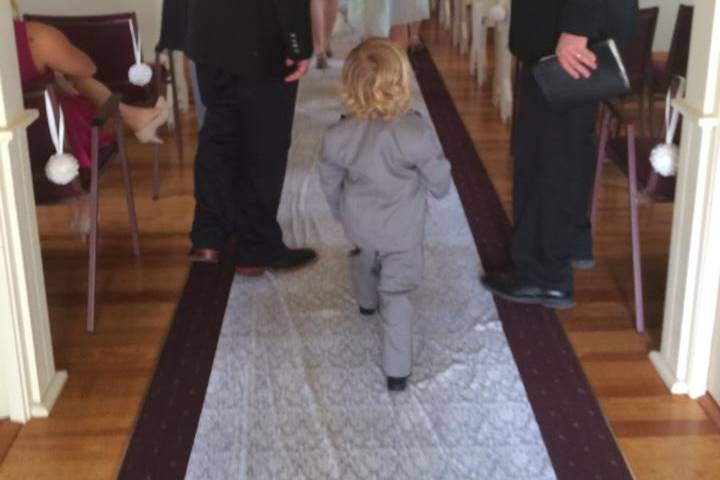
point(258, 186)
point(240, 168)
point(586, 147)
point(554, 162)
point(220, 148)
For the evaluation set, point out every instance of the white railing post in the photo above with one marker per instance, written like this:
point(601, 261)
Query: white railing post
point(694, 270)
point(29, 383)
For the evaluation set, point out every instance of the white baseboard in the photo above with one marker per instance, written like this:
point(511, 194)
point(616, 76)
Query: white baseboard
point(676, 387)
point(42, 409)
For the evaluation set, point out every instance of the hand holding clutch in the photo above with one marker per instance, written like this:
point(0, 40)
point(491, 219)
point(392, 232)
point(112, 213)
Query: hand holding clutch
point(574, 56)
point(562, 89)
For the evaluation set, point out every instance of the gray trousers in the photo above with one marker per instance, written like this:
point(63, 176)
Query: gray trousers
point(384, 281)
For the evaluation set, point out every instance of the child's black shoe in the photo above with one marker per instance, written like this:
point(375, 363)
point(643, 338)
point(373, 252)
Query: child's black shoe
point(367, 312)
point(397, 384)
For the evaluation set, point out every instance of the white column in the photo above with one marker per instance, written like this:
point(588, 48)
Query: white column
point(30, 384)
point(694, 271)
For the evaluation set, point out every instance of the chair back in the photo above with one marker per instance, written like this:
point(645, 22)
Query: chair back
point(677, 61)
point(107, 40)
point(41, 148)
point(637, 51)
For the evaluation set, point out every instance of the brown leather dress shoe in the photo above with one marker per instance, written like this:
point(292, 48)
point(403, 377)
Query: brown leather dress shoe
point(204, 255)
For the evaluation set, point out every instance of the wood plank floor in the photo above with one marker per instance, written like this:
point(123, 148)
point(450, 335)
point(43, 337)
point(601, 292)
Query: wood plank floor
point(663, 437)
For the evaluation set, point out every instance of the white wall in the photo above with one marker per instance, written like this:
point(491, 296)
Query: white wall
point(666, 22)
point(148, 12)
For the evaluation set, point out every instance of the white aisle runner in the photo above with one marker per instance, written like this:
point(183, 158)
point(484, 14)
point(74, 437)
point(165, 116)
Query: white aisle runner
point(296, 391)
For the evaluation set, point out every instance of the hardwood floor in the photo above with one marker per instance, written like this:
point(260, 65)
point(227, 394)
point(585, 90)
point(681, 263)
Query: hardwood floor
point(8, 432)
point(662, 436)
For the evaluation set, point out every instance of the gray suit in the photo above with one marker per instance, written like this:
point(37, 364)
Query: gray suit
point(376, 176)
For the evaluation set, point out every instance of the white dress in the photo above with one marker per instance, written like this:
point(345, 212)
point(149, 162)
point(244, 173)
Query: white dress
point(376, 17)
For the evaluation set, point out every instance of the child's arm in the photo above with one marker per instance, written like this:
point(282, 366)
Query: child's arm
point(332, 176)
point(425, 152)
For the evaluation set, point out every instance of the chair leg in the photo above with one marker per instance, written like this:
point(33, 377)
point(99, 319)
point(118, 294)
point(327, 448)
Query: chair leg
point(635, 230)
point(464, 28)
point(129, 196)
point(651, 113)
point(92, 250)
point(176, 110)
point(602, 147)
point(643, 112)
point(156, 173)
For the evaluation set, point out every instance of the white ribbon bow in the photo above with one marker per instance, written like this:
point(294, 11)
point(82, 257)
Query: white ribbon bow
point(57, 133)
point(672, 115)
point(139, 74)
point(664, 157)
point(61, 168)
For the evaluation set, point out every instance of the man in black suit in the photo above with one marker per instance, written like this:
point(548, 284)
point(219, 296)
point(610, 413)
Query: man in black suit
point(249, 56)
point(555, 150)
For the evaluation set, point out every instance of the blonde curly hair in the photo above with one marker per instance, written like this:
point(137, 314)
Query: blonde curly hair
point(376, 80)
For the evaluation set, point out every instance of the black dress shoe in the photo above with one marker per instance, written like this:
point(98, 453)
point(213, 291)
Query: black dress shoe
point(508, 287)
point(367, 312)
point(291, 259)
point(294, 259)
point(397, 384)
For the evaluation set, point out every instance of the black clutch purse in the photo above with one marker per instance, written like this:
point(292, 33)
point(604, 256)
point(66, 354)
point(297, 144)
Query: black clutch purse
point(563, 91)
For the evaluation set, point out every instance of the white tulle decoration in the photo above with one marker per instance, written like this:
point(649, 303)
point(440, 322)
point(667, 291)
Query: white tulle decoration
point(140, 73)
point(61, 168)
point(497, 13)
point(664, 157)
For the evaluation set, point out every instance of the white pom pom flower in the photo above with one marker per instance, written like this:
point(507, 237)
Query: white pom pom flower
point(62, 168)
point(497, 13)
point(140, 74)
point(664, 159)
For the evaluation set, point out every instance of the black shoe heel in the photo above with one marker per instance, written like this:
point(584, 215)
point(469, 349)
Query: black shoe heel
point(397, 384)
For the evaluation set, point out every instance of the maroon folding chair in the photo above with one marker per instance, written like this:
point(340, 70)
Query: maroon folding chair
point(676, 63)
point(631, 152)
point(637, 56)
point(107, 40)
point(86, 185)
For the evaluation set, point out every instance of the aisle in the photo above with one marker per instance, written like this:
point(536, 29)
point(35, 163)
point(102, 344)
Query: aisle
point(296, 391)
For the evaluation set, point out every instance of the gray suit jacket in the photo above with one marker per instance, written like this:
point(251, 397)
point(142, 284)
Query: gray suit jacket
point(376, 175)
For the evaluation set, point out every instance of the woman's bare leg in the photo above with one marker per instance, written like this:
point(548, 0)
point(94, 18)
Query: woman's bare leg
point(399, 35)
point(134, 117)
point(416, 44)
point(331, 15)
point(318, 25)
point(415, 33)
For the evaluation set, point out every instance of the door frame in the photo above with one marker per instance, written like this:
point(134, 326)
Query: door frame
point(693, 284)
point(28, 377)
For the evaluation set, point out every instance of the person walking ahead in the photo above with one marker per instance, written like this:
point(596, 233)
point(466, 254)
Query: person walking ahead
point(378, 167)
point(249, 56)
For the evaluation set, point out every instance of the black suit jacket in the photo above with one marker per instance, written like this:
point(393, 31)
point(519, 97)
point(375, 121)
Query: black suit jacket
point(250, 38)
point(535, 25)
